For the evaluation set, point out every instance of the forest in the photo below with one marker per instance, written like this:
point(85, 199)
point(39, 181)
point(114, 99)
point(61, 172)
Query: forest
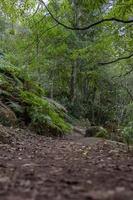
point(66, 99)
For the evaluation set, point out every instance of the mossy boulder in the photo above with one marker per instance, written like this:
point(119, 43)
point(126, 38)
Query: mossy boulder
point(96, 131)
point(102, 133)
point(27, 101)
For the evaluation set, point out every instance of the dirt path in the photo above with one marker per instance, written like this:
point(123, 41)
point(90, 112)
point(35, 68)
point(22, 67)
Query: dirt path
point(39, 168)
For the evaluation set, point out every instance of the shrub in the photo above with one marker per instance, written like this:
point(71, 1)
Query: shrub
point(127, 134)
point(43, 114)
point(26, 99)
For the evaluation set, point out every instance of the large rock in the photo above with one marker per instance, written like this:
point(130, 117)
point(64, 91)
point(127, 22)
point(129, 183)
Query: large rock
point(96, 131)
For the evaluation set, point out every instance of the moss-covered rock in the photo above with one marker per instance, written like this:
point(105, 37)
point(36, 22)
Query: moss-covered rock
point(102, 133)
point(96, 131)
point(25, 98)
point(43, 114)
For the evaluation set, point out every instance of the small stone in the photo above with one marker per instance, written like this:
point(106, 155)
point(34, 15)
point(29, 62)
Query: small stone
point(120, 189)
point(4, 179)
point(89, 182)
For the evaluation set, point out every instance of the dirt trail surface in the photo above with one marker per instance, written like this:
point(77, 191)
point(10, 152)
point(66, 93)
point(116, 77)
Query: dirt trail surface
point(38, 168)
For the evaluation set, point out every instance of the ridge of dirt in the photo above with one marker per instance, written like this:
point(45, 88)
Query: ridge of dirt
point(34, 167)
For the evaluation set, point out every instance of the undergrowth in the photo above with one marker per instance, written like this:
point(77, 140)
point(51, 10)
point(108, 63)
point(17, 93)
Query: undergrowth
point(27, 100)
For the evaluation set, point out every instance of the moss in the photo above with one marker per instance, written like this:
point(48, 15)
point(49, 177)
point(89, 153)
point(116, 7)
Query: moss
point(127, 133)
point(42, 113)
point(26, 98)
point(103, 133)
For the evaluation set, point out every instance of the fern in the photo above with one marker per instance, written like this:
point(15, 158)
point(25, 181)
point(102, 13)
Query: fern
point(42, 112)
point(22, 95)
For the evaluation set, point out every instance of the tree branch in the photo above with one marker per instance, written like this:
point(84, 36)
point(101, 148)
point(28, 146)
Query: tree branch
point(86, 27)
point(128, 91)
point(123, 75)
point(38, 6)
point(116, 60)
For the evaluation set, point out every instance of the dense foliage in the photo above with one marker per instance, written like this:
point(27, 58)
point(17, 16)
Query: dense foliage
point(88, 71)
point(23, 100)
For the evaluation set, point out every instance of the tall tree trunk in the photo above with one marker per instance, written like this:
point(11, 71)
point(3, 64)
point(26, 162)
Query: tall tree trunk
point(52, 85)
point(37, 55)
point(73, 81)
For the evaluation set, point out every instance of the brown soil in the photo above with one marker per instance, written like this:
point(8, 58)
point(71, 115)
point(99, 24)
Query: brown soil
point(34, 167)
